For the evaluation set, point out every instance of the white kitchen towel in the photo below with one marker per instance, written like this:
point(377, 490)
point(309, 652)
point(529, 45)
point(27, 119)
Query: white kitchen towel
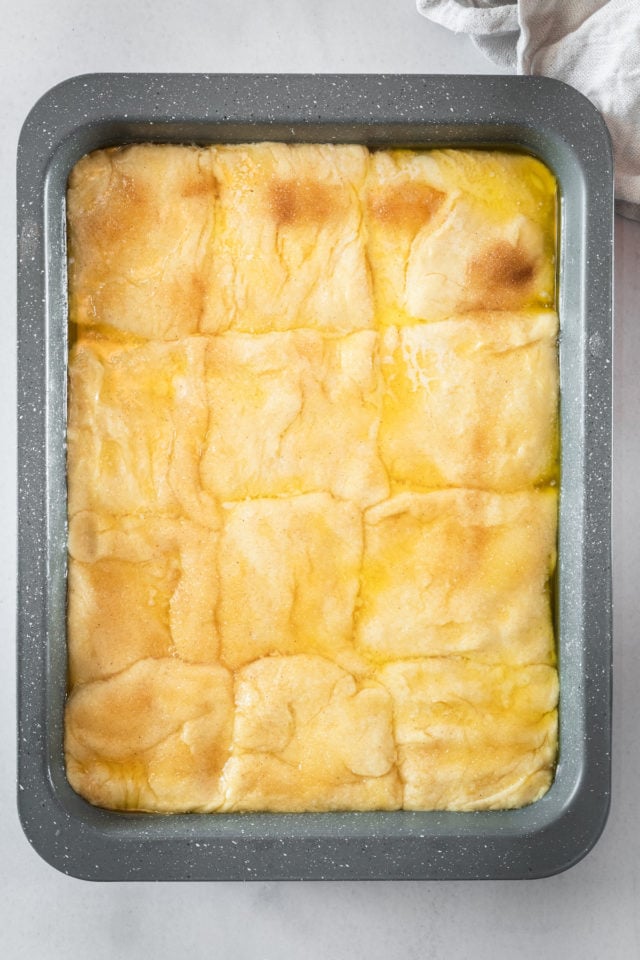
point(594, 45)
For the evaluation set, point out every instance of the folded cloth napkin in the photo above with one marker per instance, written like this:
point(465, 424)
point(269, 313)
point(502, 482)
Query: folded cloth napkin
point(594, 45)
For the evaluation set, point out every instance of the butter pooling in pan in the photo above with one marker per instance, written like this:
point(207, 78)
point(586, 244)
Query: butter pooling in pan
point(312, 466)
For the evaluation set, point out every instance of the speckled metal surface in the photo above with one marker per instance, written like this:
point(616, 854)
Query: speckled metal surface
point(539, 115)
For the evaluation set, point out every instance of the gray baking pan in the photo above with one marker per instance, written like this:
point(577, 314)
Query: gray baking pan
point(541, 116)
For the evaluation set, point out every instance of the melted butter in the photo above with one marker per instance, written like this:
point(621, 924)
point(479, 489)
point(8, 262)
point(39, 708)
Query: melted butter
point(102, 332)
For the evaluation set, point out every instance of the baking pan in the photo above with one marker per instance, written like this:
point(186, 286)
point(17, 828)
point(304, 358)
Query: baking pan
point(541, 116)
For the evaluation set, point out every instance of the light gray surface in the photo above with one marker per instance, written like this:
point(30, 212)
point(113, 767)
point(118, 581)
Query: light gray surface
point(588, 912)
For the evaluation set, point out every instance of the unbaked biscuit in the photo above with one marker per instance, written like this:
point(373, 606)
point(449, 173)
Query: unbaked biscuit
point(312, 468)
point(153, 737)
point(457, 230)
point(289, 578)
point(293, 413)
point(459, 572)
point(471, 402)
point(309, 736)
point(288, 250)
point(139, 587)
point(140, 227)
point(472, 736)
point(137, 421)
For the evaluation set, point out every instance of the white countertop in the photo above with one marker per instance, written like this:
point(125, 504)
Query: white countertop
point(592, 911)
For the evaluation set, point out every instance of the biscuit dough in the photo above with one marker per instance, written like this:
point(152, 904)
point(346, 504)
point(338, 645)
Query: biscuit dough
point(139, 587)
point(473, 736)
point(308, 736)
point(312, 478)
point(141, 223)
point(155, 736)
point(289, 578)
point(459, 572)
point(457, 230)
point(293, 413)
point(136, 425)
point(289, 246)
point(492, 602)
point(471, 402)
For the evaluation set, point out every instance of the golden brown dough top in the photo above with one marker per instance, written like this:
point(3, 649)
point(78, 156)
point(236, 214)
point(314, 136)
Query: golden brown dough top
point(140, 220)
point(481, 234)
point(312, 478)
point(300, 202)
point(152, 737)
point(407, 207)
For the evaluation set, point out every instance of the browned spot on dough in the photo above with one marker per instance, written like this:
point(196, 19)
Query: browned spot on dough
point(303, 201)
point(115, 217)
point(410, 206)
point(502, 265)
point(201, 185)
point(468, 543)
point(187, 293)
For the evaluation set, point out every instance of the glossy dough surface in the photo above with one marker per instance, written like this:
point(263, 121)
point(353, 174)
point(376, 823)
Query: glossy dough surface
point(312, 467)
